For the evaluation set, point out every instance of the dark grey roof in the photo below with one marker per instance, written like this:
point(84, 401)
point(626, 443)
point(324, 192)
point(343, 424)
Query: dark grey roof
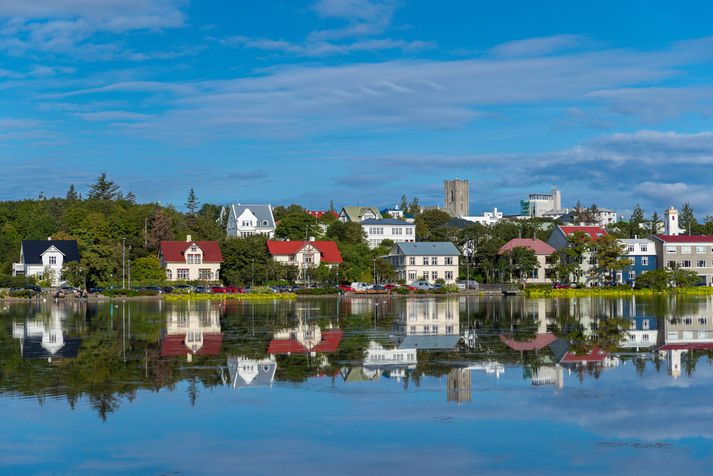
point(261, 212)
point(434, 341)
point(386, 221)
point(459, 223)
point(32, 348)
point(265, 373)
point(428, 248)
point(32, 250)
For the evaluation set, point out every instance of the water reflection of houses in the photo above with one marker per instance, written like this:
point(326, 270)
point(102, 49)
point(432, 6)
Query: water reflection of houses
point(428, 324)
point(43, 337)
point(305, 338)
point(642, 333)
point(681, 335)
point(381, 361)
point(245, 372)
point(192, 331)
point(548, 375)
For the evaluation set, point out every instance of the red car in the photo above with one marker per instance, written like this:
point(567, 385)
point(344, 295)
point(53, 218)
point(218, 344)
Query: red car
point(218, 290)
point(234, 290)
point(408, 286)
point(346, 288)
point(390, 287)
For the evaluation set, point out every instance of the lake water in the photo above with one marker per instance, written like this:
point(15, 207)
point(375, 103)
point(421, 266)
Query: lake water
point(477, 385)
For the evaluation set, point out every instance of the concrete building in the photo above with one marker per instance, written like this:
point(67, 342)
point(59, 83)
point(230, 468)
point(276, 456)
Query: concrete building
point(456, 197)
point(487, 218)
point(190, 260)
point(692, 252)
point(425, 260)
point(537, 204)
point(378, 356)
point(642, 254)
point(377, 231)
point(44, 259)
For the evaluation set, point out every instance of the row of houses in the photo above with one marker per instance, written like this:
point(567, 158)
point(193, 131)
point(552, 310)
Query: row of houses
point(671, 249)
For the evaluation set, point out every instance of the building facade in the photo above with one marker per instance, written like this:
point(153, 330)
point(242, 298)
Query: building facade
point(456, 197)
point(642, 254)
point(191, 260)
point(429, 261)
point(44, 259)
point(377, 231)
point(538, 204)
point(359, 214)
point(559, 240)
point(692, 252)
point(542, 251)
point(487, 218)
point(247, 220)
point(305, 254)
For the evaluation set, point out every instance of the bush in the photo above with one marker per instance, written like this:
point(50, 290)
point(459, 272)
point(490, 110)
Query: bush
point(23, 293)
point(401, 291)
point(260, 290)
point(420, 291)
point(317, 291)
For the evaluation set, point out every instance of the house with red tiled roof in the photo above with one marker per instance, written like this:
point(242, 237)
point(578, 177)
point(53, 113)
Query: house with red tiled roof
point(542, 251)
point(305, 254)
point(192, 332)
point(191, 260)
point(559, 240)
point(305, 339)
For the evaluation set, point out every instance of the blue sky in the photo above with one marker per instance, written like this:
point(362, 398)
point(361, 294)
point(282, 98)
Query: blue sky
point(358, 101)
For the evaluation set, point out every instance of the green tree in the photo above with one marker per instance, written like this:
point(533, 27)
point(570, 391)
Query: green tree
point(147, 269)
point(74, 273)
point(404, 203)
point(103, 189)
point(428, 221)
point(687, 220)
point(72, 194)
point(131, 198)
point(192, 203)
point(609, 257)
point(246, 261)
point(654, 223)
point(346, 233)
point(519, 263)
point(298, 225)
point(636, 220)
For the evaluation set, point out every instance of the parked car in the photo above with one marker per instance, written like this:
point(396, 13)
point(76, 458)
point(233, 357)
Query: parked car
point(360, 286)
point(346, 288)
point(561, 286)
point(154, 288)
point(34, 287)
point(408, 287)
point(233, 290)
point(390, 287)
point(378, 287)
point(167, 289)
point(96, 290)
point(468, 284)
point(183, 288)
point(422, 284)
point(218, 290)
point(202, 290)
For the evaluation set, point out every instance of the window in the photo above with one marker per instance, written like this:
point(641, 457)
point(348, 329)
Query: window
point(182, 274)
point(412, 275)
point(425, 276)
point(425, 261)
point(670, 249)
point(631, 248)
point(53, 260)
point(434, 329)
point(189, 259)
point(449, 260)
point(592, 260)
point(434, 275)
point(671, 264)
point(264, 223)
point(632, 274)
point(308, 258)
point(449, 329)
point(645, 324)
point(412, 261)
point(700, 249)
point(644, 248)
point(169, 274)
point(701, 263)
point(426, 328)
point(686, 249)
point(396, 231)
point(409, 231)
point(686, 263)
point(434, 261)
point(204, 274)
point(644, 261)
point(702, 320)
point(412, 328)
point(194, 247)
point(449, 275)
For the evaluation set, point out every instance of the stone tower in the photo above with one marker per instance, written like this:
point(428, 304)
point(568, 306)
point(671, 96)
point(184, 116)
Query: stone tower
point(456, 197)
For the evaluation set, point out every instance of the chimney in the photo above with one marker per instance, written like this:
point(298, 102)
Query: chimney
point(311, 238)
point(188, 238)
point(49, 238)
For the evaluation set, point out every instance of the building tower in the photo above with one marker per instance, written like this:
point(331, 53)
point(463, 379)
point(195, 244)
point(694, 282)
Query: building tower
point(459, 386)
point(456, 197)
point(671, 222)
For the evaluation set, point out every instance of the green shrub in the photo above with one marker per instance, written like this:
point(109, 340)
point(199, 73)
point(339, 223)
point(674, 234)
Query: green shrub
point(420, 291)
point(401, 290)
point(260, 290)
point(23, 293)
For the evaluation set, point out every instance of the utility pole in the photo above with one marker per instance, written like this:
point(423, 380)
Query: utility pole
point(123, 263)
point(374, 259)
point(129, 274)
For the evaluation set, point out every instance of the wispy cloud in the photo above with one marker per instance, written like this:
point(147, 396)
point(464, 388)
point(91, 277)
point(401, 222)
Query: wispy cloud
point(548, 45)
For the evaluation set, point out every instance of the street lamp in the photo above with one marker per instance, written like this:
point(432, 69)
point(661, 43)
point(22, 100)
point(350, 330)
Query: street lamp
point(252, 273)
point(123, 263)
point(374, 260)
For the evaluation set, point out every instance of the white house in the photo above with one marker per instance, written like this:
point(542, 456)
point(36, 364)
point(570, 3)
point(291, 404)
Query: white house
point(43, 338)
point(304, 254)
point(377, 231)
point(377, 355)
point(45, 258)
point(246, 372)
point(246, 220)
point(487, 218)
point(425, 260)
point(397, 213)
point(192, 330)
point(191, 260)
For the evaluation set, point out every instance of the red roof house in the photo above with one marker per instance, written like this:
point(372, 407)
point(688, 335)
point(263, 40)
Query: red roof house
point(190, 260)
point(538, 246)
point(593, 232)
point(595, 355)
point(329, 343)
point(320, 213)
point(299, 252)
point(174, 345)
point(539, 342)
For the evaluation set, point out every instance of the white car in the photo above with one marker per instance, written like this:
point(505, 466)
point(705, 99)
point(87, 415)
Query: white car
point(361, 286)
point(422, 284)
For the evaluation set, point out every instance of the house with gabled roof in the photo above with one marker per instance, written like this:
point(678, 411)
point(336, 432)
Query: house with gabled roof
point(45, 258)
point(424, 260)
point(246, 372)
point(191, 260)
point(542, 251)
point(305, 254)
point(191, 331)
point(392, 229)
point(305, 338)
point(247, 220)
point(359, 214)
point(559, 240)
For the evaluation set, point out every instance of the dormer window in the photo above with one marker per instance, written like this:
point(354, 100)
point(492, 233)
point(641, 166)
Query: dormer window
point(194, 247)
point(264, 223)
point(53, 260)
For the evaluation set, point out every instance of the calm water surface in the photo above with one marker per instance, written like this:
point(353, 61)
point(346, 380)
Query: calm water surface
point(358, 386)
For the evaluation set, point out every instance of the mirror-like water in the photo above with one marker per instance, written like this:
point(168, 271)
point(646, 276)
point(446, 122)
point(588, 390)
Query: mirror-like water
point(358, 386)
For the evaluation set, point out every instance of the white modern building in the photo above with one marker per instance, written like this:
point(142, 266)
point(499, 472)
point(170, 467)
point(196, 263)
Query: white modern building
point(44, 259)
point(377, 231)
point(247, 220)
point(425, 260)
point(537, 204)
point(487, 218)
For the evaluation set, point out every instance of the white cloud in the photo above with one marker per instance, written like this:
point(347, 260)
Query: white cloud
point(530, 47)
